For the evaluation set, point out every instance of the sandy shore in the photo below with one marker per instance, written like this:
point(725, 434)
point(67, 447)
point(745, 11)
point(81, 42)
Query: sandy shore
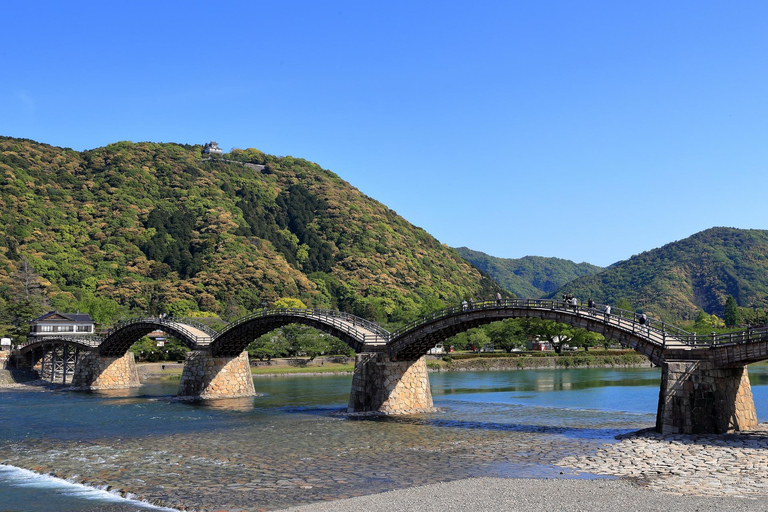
point(656, 472)
point(523, 495)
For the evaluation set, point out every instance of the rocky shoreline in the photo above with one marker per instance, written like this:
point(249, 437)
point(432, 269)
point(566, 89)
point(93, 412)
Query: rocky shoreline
point(703, 465)
point(654, 472)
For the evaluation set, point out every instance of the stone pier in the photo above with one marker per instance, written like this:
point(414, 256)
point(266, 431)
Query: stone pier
point(93, 371)
point(382, 386)
point(205, 376)
point(698, 398)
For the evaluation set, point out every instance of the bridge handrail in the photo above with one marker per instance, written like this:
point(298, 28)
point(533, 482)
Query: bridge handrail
point(620, 317)
point(177, 325)
point(731, 338)
point(210, 331)
point(91, 340)
point(337, 319)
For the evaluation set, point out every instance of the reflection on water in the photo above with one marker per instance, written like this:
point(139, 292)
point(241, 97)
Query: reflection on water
point(295, 445)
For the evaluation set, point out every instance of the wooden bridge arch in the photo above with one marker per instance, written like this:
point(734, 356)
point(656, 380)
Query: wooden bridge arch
point(704, 383)
point(650, 339)
point(360, 334)
point(118, 340)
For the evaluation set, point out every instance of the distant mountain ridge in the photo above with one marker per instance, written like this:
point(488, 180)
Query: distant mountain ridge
point(530, 276)
point(679, 279)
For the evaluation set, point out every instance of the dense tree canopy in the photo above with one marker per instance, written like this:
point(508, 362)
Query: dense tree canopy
point(150, 228)
point(678, 280)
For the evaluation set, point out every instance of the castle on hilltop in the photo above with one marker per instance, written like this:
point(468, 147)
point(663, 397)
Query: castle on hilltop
point(212, 148)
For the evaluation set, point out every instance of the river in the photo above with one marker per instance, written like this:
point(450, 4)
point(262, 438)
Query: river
point(294, 445)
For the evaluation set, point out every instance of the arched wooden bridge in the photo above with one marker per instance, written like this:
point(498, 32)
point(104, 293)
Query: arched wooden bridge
point(377, 348)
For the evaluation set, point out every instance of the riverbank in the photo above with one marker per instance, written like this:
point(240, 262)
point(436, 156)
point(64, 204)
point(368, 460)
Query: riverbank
point(653, 472)
point(493, 362)
point(531, 495)
point(460, 363)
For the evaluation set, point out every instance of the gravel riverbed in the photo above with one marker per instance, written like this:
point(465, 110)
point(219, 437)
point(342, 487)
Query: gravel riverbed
point(532, 495)
point(654, 472)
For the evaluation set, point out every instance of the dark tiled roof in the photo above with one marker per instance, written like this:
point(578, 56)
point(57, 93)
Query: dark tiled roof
point(73, 317)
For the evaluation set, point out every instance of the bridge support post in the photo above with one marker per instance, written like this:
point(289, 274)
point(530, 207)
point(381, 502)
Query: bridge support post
point(696, 397)
point(382, 386)
point(93, 371)
point(205, 376)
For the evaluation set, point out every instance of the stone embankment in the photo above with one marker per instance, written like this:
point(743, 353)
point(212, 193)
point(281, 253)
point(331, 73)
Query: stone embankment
point(531, 363)
point(704, 465)
point(13, 378)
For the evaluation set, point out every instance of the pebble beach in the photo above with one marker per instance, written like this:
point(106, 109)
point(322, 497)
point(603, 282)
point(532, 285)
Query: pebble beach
point(651, 472)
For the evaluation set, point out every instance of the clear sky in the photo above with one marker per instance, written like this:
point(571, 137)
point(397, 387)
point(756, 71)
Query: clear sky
point(585, 130)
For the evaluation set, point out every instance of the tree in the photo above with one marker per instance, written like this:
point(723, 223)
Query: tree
point(270, 345)
point(624, 304)
point(561, 334)
point(288, 302)
point(731, 315)
point(478, 338)
point(507, 335)
point(586, 339)
point(25, 301)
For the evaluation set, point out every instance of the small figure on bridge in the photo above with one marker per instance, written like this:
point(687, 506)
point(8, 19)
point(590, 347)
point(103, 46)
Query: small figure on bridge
point(471, 304)
point(574, 304)
point(607, 311)
point(643, 319)
point(498, 298)
point(463, 305)
point(590, 303)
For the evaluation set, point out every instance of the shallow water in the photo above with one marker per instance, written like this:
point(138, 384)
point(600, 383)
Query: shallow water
point(293, 444)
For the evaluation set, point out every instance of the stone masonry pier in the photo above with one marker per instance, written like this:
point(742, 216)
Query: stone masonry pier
point(100, 372)
point(383, 386)
point(699, 397)
point(205, 376)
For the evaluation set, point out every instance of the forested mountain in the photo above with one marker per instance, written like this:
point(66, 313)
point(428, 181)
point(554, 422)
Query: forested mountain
point(679, 279)
point(530, 276)
point(132, 228)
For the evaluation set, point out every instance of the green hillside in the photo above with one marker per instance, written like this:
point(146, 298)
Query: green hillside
point(132, 228)
point(531, 276)
point(679, 279)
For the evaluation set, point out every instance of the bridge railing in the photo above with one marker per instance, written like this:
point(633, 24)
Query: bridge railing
point(210, 331)
point(731, 338)
point(338, 319)
point(90, 340)
point(656, 330)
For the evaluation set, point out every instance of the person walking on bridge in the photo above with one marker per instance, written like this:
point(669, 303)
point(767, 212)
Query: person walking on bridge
point(574, 304)
point(498, 298)
point(607, 311)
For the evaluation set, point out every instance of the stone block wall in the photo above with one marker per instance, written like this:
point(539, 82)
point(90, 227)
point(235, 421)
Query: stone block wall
point(697, 398)
point(93, 371)
point(381, 386)
point(205, 376)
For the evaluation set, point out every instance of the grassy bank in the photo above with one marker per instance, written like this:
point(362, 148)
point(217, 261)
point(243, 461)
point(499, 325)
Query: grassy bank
point(596, 359)
point(454, 362)
point(315, 368)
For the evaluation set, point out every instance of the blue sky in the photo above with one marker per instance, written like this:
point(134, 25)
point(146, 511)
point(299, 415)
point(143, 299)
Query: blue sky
point(588, 130)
